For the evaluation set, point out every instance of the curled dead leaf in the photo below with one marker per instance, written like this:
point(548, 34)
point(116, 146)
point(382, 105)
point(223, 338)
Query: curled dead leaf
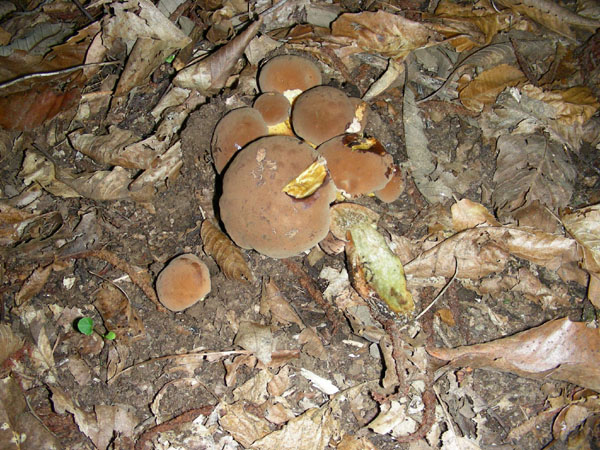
point(225, 253)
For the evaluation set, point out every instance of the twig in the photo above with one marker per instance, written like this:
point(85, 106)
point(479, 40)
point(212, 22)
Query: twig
point(53, 73)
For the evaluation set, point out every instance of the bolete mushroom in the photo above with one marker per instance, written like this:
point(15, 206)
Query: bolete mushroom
point(322, 113)
point(183, 282)
point(358, 165)
point(288, 75)
point(235, 129)
point(255, 210)
point(394, 189)
point(275, 110)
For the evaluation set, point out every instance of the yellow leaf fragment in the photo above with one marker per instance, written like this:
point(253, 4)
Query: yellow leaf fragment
point(308, 181)
point(374, 264)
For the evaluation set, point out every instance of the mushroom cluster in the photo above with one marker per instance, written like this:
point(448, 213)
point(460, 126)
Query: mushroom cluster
point(295, 129)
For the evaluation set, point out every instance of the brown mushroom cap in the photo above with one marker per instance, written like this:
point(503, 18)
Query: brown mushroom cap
point(183, 282)
point(321, 113)
point(258, 214)
point(394, 189)
point(288, 72)
point(275, 110)
point(234, 130)
point(357, 172)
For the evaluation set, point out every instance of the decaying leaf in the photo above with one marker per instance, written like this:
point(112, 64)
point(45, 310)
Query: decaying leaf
point(584, 225)
point(20, 428)
point(484, 89)
point(272, 301)
point(117, 313)
point(225, 253)
point(573, 415)
point(551, 15)
point(308, 181)
point(9, 343)
point(33, 285)
point(346, 215)
point(390, 35)
point(256, 338)
point(559, 350)
point(575, 105)
point(210, 74)
point(377, 270)
point(99, 425)
point(18, 225)
point(244, 426)
point(468, 214)
point(311, 344)
point(255, 389)
point(531, 167)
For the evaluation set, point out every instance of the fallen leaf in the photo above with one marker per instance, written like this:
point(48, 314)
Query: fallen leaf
point(244, 426)
point(273, 302)
point(21, 429)
point(255, 389)
point(346, 215)
point(280, 382)
point(311, 344)
point(573, 415)
point(529, 168)
point(33, 285)
point(574, 105)
point(9, 343)
point(308, 181)
point(467, 214)
point(117, 313)
point(376, 269)
point(225, 253)
point(559, 350)
point(257, 339)
point(484, 89)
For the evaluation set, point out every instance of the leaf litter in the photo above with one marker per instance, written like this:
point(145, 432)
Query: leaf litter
point(494, 236)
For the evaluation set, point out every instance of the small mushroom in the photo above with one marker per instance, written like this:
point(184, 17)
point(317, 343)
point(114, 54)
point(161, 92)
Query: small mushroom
point(235, 129)
point(275, 110)
point(288, 73)
point(256, 212)
point(322, 113)
point(393, 189)
point(357, 165)
point(183, 282)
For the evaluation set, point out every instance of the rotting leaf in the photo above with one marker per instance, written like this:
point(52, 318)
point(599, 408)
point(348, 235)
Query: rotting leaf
point(575, 105)
point(225, 253)
point(308, 181)
point(468, 214)
point(375, 268)
point(531, 167)
point(584, 225)
point(272, 301)
point(559, 350)
point(20, 428)
point(117, 313)
point(244, 426)
point(9, 343)
point(256, 338)
point(33, 285)
point(484, 89)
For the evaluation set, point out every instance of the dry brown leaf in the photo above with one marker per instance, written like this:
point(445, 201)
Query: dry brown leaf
point(272, 301)
point(559, 350)
point(312, 430)
point(387, 34)
point(280, 382)
point(99, 425)
point(9, 343)
point(584, 225)
point(21, 430)
point(531, 167)
point(390, 379)
point(575, 105)
point(484, 89)
point(117, 313)
point(255, 389)
point(551, 15)
point(244, 426)
point(473, 253)
point(468, 214)
point(33, 285)
point(225, 253)
point(231, 368)
point(573, 415)
point(311, 344)
point(469, 25)
point(278, 414)
point(80, 370)
point(210, 74)
point(257, 339)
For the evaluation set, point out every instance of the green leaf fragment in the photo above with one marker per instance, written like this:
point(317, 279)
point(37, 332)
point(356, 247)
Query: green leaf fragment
point(382, 268)
point(110, 336)
point(85, 325)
